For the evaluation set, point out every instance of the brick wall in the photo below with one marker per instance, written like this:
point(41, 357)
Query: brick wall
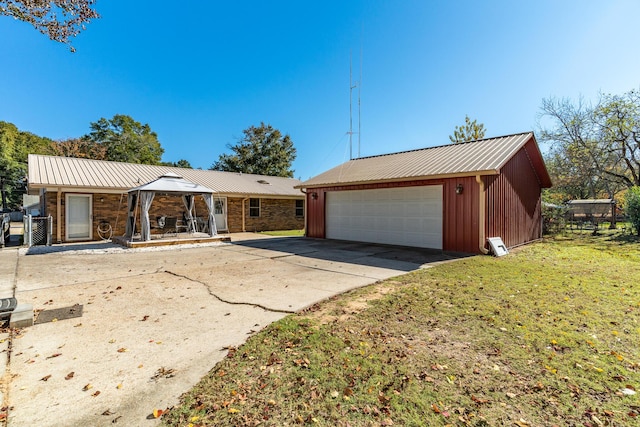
point(275, 214)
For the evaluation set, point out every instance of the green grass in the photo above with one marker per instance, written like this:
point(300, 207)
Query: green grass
point(284, 233)
point(548, 335)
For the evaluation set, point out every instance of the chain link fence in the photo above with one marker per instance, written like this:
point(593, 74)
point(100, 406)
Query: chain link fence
point(38, 230)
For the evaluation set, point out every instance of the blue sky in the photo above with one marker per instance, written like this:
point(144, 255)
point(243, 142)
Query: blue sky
point(200, 73)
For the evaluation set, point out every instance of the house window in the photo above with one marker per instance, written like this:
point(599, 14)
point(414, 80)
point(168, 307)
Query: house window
point(254, 208)
point(299, 208)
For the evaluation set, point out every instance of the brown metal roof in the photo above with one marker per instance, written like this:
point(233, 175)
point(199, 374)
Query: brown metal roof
point(481, 157)
point(68, 172)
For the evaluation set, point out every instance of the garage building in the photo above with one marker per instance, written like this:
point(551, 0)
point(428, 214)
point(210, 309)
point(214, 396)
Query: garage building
point(451, 197)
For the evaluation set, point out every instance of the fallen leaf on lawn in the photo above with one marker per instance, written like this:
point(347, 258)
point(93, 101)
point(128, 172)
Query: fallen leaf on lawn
point(54, 355)
point(233, 410)
point(522, 423)
point(157, 413)
point(122, 350)
point(87, 387)
point(435, 408)
point(96, 393)
point(273, 359)
point(479, 401)
point(119, 386)
point(111, 341)
point(45, 378)
point(144, 318)
point(69, 375)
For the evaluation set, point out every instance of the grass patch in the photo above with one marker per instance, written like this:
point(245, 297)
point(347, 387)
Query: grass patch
point(284, 232)
point(545, 336)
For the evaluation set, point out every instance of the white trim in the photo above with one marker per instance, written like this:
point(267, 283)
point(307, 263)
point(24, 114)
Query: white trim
point(224, 212)
point(66, 217)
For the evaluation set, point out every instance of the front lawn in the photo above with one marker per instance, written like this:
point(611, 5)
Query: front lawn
point(548, 335)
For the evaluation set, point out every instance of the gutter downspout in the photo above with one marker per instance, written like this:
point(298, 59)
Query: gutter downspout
point(305, 211)
point(481, 216)
point(243, 226)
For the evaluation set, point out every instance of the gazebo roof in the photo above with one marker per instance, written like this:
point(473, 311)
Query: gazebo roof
point(173, 183)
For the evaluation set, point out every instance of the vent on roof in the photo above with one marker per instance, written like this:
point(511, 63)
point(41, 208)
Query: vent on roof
point(262, 181)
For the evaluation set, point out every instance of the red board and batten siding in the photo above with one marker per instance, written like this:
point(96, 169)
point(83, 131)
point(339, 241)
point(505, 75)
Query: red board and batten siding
point(514, 201)
point(512, 204)
point(460, 221)
point(460, 232)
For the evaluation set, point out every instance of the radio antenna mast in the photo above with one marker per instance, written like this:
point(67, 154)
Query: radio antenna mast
point(353, 85)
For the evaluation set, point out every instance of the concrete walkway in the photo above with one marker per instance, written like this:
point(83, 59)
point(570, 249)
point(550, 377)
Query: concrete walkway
point(155, 321)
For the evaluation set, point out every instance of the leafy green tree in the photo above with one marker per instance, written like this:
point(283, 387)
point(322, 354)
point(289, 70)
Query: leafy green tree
point(470, 131)
point(632, 207)
point(57, 19)
point(126, 140)
point(15, 146)
point(182, 163)
point(262, 150)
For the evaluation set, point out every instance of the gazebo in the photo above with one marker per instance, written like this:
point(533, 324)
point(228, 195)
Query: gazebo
point(140, 199)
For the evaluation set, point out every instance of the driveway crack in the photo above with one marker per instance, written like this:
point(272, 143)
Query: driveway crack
point(251, 304)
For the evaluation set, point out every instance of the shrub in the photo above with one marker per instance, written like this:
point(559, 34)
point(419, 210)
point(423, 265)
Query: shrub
point(632, 207)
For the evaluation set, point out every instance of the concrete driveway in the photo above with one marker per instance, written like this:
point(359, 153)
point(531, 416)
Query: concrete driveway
point(155, 321)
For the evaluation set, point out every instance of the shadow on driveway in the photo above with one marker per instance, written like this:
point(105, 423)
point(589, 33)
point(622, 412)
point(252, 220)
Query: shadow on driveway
point(366, 254)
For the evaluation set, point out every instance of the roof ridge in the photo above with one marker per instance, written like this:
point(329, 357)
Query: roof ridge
point(444, 145)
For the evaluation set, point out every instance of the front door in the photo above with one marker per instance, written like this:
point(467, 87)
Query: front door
point(78, 215)
point(220, 212)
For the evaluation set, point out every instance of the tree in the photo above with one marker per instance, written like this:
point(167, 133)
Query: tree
point(82, 148)
point(126, 140)
point(57, 19)
point(470, 131)
point(262, 150)
point(182, 163)
point(596, 145)
point(632, 207)
point(15, 146)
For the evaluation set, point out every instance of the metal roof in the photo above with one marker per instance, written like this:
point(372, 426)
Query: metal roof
point(69, 172)
point(481, 157)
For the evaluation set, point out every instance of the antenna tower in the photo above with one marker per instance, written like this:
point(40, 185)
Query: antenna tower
point(353, 85)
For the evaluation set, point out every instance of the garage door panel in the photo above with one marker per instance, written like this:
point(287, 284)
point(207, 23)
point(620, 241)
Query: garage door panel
point(410, 216)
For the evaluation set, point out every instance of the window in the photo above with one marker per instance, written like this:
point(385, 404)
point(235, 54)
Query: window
point(254, 208)
point(299, 207)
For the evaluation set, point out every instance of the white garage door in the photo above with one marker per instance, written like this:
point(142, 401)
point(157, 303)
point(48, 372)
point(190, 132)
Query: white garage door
point(408, 216)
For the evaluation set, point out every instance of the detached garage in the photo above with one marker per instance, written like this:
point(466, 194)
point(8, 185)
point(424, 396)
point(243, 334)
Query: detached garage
point(451, 197)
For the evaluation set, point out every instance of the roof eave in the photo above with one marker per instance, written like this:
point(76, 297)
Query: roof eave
point(402, 179)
